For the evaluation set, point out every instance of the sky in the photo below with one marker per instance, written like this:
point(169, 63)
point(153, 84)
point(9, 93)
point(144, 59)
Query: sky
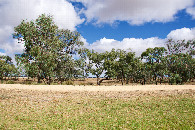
point(104, 24)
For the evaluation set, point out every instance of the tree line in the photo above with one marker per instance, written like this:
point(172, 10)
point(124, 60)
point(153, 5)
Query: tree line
point(57, 54)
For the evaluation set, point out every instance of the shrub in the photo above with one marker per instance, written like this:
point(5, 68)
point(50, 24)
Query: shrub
point(10, 82)
point(175, 78)
point(28, 82)
point(53, 83)
point(85, 83)
point(69, 82)
point(2, 81)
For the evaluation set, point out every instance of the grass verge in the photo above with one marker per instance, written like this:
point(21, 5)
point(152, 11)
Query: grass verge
point(97, 110)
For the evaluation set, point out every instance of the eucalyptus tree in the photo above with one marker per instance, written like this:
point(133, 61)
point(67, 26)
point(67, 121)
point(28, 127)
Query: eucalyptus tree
point(125, 65)
point(180, 60)
point(181, 46)
point(2, 67)
point(82, 63)
point(7, 68)
point(119, 64)
point(137, 71)
point(155, 62)
point(122, 65)
point(110, 59)
point(132, 67)
point(48, 49)
point(181, 68)
point(96, 64)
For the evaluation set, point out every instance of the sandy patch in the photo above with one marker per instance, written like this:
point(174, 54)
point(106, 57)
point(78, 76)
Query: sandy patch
point(66, 88)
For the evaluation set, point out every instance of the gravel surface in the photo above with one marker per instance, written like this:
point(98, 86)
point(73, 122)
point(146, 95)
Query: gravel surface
point(67, 88)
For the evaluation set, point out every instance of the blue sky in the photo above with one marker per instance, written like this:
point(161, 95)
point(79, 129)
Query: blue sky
point(104, 24)
point(124, 30)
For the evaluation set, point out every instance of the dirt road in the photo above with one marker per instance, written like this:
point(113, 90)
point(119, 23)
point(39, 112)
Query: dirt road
point(67, 88)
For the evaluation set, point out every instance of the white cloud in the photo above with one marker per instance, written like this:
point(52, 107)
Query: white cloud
point(182, 34)
point(12, 12)
point(2, 54)
point(191, 11)
point(133, 11)
point(140, 45)
point(7, 43)
point(136, 45)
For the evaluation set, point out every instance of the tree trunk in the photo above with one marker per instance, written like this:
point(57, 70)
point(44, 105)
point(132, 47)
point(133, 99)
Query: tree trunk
point(122, 77)
point(155, 77)
point(98, 83)
point(49, 80)
point(39, 80)
point(144, 81)
point(127, 80)
point(122, 80)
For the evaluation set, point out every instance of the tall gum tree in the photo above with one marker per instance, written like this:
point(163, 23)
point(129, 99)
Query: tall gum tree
point(96, 64)
point(180, 60)
point(110, 59)
point(154, 62)
point(7, 68)
point(48, 49)
point(181, 46)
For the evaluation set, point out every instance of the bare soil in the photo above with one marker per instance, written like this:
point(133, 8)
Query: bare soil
point(46, 93)
point(66, 88)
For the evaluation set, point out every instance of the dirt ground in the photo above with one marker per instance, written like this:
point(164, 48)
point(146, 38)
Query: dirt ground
point(67, 88)
point(42, 93)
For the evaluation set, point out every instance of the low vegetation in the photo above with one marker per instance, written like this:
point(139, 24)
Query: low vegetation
point(22, 109)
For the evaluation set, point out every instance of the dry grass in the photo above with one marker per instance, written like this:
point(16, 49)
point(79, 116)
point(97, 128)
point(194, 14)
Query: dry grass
point(30, 109)
point(87, 81)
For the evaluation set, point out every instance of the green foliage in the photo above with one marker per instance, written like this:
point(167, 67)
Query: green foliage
point(69, 82)
point(10, 82)
point(2, 81)
point(28, 82)
point(175, 78)
point(120, 64)
point(110, 63)
point(181, 67)
point(49, 54)
point(96, 62)
point(48, 49)
point(155, 62)
point(181, 46)
point(7, 69)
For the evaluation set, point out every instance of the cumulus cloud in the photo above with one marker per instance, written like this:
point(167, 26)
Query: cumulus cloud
point(135, 45)
point(12, 12)
point(140, 45)
point(182, 34)
point(191, 11)
point(2, 54)
point(135, 12)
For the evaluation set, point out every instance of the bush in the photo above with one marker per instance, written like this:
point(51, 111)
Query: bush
point(53, 83)
point(85, 84)
point(28, 82)
point(2, 81)
point(10, 82)
point(69, 82)
point(175, 78)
